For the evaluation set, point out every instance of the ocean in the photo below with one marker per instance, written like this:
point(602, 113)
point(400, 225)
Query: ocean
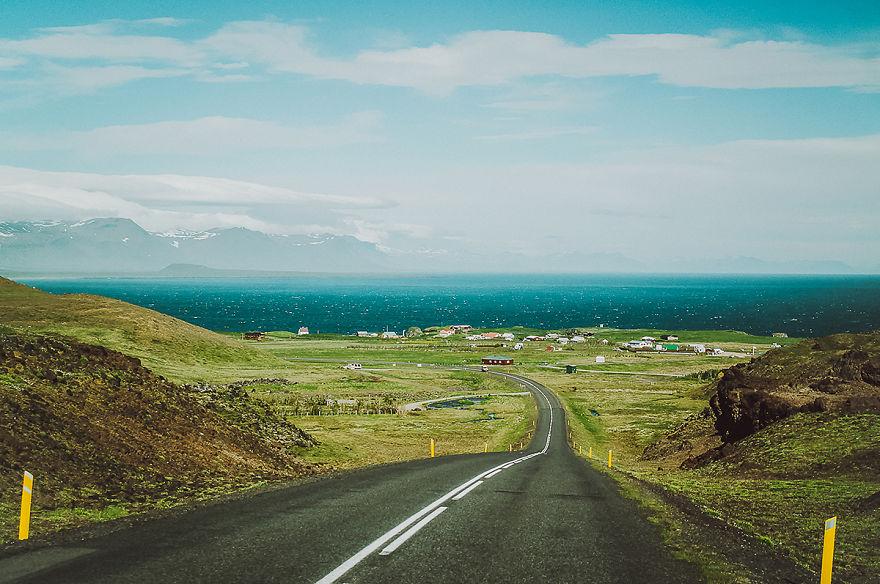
point(797, 305)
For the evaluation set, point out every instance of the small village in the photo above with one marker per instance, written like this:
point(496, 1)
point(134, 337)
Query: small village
point(556, 341)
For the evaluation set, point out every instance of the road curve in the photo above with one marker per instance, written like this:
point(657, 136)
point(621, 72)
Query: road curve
point(539, 515)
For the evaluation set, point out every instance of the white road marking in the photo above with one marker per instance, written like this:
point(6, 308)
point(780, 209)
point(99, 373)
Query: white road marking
point(412, 530)
point(492, 474)
point(432, 508)
point(464, 493)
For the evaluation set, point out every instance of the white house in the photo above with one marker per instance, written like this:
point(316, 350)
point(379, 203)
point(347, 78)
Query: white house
point(303, 330)
point(508, 336)
point(578, 339)
point(390, 335)
point(363, 333)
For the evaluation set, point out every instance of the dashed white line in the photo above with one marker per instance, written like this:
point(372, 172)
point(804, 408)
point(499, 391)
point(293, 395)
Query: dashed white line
point(464, 493)
point(412, 530)
point(429, 512)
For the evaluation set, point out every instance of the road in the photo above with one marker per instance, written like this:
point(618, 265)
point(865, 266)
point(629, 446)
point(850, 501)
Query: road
point(539, 515)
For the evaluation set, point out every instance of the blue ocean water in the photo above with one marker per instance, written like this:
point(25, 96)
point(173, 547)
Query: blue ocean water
point(797, 305)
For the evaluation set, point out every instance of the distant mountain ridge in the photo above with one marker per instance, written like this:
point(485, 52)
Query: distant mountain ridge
point(115, 246)
point(121, 245)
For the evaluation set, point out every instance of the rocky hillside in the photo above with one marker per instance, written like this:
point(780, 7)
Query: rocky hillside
point(96, 428)
point(840, 373)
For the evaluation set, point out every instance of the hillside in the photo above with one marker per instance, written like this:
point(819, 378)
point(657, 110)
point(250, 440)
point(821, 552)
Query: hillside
point(165, 344)
point(791, 438)
point(105, 436)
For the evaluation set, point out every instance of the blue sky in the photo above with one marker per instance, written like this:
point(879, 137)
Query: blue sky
point(532, 127)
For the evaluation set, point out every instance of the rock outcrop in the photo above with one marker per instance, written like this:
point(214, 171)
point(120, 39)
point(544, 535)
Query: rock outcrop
point(840, 373)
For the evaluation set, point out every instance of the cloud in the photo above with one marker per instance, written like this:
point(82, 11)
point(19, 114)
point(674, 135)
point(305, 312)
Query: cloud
point(208, 136)
point(476, 58)
point(168, 202)
point(540, 134)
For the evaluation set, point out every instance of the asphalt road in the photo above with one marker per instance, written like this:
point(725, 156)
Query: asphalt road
point(548, 517)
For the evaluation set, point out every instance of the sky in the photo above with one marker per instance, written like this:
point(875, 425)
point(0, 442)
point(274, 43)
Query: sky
point(700, 130)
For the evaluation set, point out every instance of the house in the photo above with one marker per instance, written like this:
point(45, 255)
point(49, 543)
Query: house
point(461, 328)
point(445, 333)
point(642, 345)
point(578, 339)
point(698, 348)
point(497, 360)
point(649, 339)
point(552, 336)
point(491, 335)
point(303, 330)
point(508, 336)
point(603, 342)
point(364, 334)
point(390, 335)
point(600, 358)
point(563, 340)
point(254, 335)
point(668, 337)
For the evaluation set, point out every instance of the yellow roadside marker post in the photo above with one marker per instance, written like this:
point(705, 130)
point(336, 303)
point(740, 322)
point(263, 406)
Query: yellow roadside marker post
point(591, 452)
point(432, 448)
point(828, 550)
point(486, 447)
point(27, 491)
point(510, 448)
point(609, 459)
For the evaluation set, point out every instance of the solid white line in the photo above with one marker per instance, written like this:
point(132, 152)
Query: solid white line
point(492, 474)
point(412, 531)
point(464, 493)
point(419, 515)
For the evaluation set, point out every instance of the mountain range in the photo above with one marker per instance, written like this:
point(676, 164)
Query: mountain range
point(121, 246)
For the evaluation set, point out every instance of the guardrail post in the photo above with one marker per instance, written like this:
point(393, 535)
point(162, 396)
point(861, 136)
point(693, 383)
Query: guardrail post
point(828, 549)
point(27, 491)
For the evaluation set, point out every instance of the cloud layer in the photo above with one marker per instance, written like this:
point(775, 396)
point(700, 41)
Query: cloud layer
point(91, 57)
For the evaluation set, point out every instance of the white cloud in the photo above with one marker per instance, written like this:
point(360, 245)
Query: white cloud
point(539, 134)
point(493, 57)
point(208, 136)
point(166, 202)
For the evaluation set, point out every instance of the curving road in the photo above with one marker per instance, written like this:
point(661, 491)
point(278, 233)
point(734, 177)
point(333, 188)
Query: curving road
point(540, 515)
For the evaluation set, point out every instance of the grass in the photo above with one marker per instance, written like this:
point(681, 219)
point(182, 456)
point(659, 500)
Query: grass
point(350, 441)
point(171, 347)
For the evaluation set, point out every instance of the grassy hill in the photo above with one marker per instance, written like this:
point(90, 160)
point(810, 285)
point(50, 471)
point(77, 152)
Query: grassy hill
point(104, 436)
point(167, 345)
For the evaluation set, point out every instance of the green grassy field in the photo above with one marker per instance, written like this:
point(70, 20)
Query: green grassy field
point(171, 347)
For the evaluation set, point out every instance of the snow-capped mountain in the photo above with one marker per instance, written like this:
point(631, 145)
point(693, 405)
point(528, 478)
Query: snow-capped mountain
point(121, 245)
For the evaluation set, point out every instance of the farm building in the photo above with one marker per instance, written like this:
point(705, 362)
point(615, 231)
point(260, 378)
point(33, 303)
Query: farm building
point(303, 330)
point(668, 337)
point(497, 360)
point(255, 335)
